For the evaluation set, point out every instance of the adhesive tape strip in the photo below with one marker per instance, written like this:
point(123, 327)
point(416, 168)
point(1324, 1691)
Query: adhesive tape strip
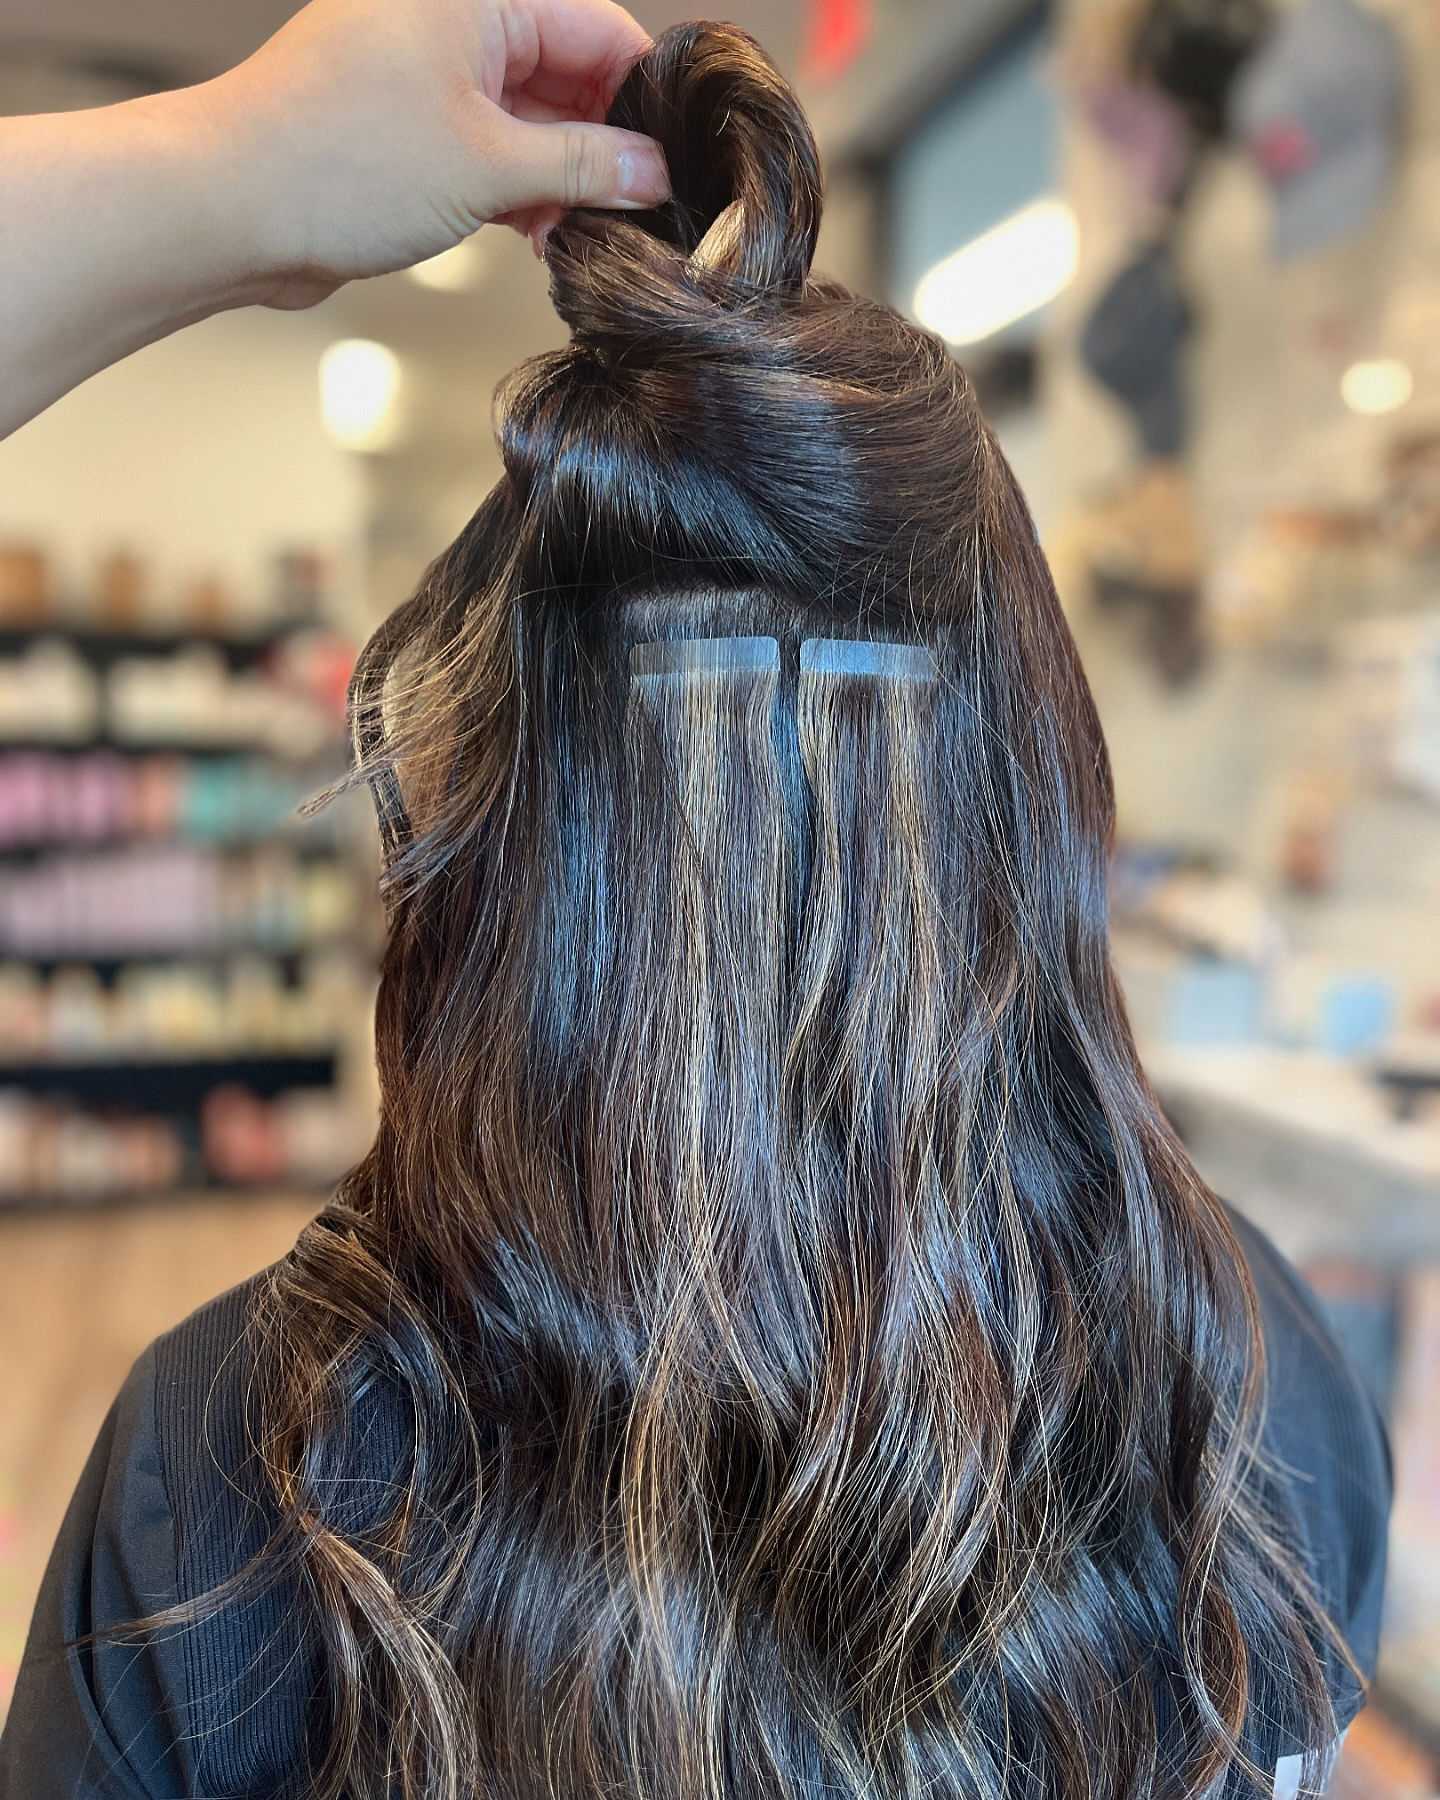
point(850, 656)
point(707, 656)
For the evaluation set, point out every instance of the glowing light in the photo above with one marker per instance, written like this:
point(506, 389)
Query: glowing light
point(452, 271)
point(359, 382)
point(1005, 274)
point(1376, 387)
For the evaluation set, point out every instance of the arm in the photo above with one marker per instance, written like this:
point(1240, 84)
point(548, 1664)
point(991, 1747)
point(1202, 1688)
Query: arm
point(362, 138)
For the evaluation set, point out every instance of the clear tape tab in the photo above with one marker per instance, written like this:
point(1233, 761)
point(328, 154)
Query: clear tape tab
point(706, 656)
point(853, 656)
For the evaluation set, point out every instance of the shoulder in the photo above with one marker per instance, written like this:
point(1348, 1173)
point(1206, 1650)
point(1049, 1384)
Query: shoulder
point(249, 1664)
point(201, 1373)
point(1326, 1446)
point(217, 1325)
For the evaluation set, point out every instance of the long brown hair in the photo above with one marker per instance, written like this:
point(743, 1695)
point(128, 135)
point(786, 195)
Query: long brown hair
point(816, 1368)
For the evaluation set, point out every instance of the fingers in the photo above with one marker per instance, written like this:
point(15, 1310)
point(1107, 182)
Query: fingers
point(539, 224)
point(572, 96)
point(591, 40)
point(533, 223)
point(533, 164)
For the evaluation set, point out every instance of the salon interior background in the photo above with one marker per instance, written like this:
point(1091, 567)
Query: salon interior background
point(1199, 285)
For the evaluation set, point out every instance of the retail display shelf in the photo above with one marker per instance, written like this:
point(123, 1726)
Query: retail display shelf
point(184, 958)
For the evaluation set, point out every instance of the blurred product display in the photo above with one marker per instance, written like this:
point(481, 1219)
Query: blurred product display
point(185, 964)
point(115, 903)
point(61, 1154)
point(82, 691)
point(249, 1003)
point(100, 796)
point(25, 592)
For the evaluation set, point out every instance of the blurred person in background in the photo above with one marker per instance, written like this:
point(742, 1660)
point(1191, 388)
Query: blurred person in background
point(775, 1344)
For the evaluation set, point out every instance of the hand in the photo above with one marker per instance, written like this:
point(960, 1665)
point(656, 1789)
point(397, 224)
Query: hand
point(367, 135)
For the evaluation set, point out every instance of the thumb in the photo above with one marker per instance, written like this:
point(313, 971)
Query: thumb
point(575, 164)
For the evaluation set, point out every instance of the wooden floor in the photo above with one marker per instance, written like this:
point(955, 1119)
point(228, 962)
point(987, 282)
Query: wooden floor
point(80, 1297)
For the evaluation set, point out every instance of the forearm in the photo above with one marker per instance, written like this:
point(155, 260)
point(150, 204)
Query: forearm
point(117, 226)
point(361, 138)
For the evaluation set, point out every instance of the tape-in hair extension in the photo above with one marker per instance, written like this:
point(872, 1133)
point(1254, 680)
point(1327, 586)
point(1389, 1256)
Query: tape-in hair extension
point(706, 656)
point(705, 801)
point(851, 656)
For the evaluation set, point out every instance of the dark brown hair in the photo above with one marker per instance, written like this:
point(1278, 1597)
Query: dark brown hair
point(819, 1369)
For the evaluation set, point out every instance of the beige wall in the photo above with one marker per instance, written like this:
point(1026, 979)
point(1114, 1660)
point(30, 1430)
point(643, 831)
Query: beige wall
point(204, 452)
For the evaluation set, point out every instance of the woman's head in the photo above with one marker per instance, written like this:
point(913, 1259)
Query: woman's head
point(731, 447)
point(819, 1366)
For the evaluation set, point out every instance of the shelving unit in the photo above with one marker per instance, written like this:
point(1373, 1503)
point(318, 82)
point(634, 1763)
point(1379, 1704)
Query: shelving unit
point(139, 1080)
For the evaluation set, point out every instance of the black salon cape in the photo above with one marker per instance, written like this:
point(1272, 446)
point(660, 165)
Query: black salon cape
point(165, 1508)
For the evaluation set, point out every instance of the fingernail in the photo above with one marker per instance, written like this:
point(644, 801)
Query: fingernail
point(538, 237)
point(643, 178)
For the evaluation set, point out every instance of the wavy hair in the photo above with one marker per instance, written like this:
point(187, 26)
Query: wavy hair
point(818, 1368)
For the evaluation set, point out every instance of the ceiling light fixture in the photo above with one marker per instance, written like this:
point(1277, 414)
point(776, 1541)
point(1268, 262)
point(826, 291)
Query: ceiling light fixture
point(1003, 275)
point(1381, 386)
point(359, 383)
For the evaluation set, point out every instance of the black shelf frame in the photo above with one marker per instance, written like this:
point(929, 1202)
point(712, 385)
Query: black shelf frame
point(319, 849)
point(287, 959)
point(170, 1086)
point(102, 648)
point(105, 742)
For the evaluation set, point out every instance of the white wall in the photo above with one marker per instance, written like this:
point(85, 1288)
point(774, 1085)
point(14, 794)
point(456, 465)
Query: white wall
point(203, 453)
